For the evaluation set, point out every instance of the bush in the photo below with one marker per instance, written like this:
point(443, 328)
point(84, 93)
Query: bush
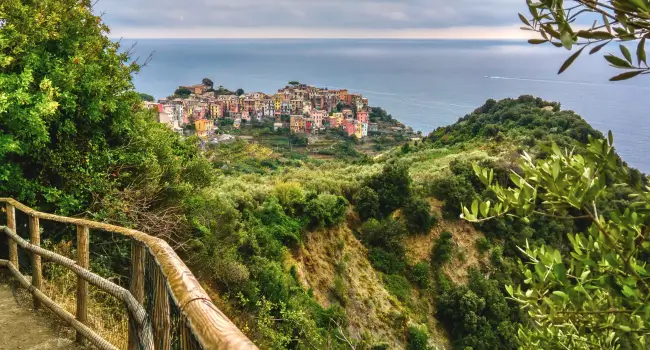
point(367, 203)
point(390, 262)
point(419, 274)
point(291, 197)
point(340, 289)
point(326, 209)
point(483, 245)
point(282, 227)
point(454, 191)
point(417, 338)
point(385, 234)
point(393, 186)
point(398, 286)
point(443, 249)
point(477, 315)
point(417, 214)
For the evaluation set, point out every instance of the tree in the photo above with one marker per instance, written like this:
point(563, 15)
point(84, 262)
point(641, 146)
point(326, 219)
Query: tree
point(68, 104)
point(146, 97)
point(182, 92)
point(327, 209)
point(417, 214)
point(207, 83)
point(393, 186)
point(599, 295)
point(294, 83)
point(367, 203)
point(239, 92)
point(613, 21)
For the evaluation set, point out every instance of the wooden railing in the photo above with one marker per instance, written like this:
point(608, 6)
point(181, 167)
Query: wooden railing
point(156, 270)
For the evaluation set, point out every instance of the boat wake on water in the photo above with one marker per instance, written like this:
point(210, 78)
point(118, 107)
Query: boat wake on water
point(563, 82)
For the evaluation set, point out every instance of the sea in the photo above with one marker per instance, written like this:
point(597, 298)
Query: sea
point(422, 83)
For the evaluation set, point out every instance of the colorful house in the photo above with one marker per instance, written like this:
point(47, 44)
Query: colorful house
point(358, 129)
point(348, 126)
point(297, 123)
point(318, 117)
point(204, 127)
point(362, 116)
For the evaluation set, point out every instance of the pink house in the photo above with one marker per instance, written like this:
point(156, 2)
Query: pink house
point(362, 116)
point(349, 127)
point(318, 116)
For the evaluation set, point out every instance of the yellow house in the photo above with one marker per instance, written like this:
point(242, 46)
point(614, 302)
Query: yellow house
point(358, 130)
point(277, 102)
point(203, 127)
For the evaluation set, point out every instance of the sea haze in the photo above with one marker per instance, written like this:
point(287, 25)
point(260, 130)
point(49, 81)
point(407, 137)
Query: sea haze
point(423, 83)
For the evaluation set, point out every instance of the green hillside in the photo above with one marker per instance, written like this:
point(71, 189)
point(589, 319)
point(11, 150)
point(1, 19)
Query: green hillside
point(364, 253)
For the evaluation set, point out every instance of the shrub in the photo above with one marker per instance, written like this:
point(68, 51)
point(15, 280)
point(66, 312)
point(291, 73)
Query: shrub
point(398, 286)
point(454, 191)
point(387, 261)
point(367, 203)
point(443, 249)
point(417, 338)
point(384, 234)
point(419, 274)
point(483, 245)
point(417, 214)
point(291, 196)
point(393, 186)
point(340, 289)
point(326, 209)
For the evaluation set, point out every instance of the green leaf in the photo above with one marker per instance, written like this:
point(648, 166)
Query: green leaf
point(561, 294)
point(628, 292)
point(617, 61)
point(524, 20)
point(640, 51)
point(475, 208)
point(556, 149)
point(537, 41)
point(556, 170)
point(570, 60)
point(626, 53)
point(600, 35)
point(485, 208)
point(567, 40)
point(610, 137)
point(597, 48)
point(607, 25)
point(640, 4)
point(626, 75)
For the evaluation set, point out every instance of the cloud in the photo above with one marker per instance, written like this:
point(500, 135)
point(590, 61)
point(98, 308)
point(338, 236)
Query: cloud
point(220, 18)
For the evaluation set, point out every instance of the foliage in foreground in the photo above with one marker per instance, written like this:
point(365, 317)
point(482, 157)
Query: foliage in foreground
point(613, 21)
point(599, 294)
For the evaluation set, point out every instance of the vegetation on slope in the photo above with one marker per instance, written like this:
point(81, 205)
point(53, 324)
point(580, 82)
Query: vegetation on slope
point(75, 140)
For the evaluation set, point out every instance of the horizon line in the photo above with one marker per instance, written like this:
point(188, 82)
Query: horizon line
point(450, 33)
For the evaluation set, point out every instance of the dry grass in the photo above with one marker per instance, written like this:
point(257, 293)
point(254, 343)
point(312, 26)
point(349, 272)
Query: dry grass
point(464, 237)
point(106, 315)
point(370, 308)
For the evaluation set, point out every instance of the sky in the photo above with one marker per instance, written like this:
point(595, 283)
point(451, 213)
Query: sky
point(406, 19)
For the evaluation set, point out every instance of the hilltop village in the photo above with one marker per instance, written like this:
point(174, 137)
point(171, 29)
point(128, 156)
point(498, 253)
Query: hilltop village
point(296, 108)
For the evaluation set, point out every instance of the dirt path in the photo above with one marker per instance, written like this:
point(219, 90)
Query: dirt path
point(22, 329)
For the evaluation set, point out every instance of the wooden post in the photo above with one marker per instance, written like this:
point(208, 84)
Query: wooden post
point(161, 321)
point(37, 272)
point(83, 260)
point(137, 288)
point(13, 246)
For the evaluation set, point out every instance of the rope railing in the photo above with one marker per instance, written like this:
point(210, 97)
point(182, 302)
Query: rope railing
point(167, 306)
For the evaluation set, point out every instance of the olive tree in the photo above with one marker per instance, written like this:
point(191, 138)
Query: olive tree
point(598, 296)
point(614, 21)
